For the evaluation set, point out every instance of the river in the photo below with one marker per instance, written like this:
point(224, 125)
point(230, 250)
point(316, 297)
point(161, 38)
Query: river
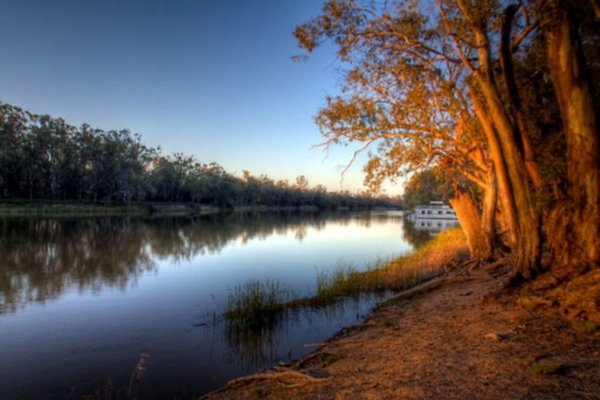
point(135, 304)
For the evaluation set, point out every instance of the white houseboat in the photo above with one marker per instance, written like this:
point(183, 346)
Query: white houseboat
point(434, 217)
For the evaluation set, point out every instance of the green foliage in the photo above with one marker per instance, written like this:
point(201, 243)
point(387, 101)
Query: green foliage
point(422, 188)
point(403, 97)
point(44, 158)
point(343, 281)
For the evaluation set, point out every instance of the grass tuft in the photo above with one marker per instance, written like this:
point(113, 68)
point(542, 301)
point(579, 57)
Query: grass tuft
point(542, 366)
point(585, 326)
point(256, 304)
point(333, 358)
point(435, 258)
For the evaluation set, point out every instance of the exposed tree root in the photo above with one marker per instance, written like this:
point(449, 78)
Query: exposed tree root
point(282, 375)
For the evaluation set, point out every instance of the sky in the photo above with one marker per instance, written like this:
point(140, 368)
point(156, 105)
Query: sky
point(209, 78)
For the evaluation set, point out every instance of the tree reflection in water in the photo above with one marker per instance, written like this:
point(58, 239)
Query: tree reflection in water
point(134, 297)
point(40, 258)
point(252, 348)
point(417, 238)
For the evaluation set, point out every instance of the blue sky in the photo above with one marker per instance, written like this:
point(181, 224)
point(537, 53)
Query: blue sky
point(209, 78)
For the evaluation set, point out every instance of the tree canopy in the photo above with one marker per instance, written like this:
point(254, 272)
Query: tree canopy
point(497, 93)
point(44, 158)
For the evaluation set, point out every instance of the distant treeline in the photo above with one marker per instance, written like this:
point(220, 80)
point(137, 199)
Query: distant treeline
point(45, 158)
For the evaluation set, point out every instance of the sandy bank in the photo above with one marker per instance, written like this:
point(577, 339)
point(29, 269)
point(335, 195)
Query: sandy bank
point(460, 340)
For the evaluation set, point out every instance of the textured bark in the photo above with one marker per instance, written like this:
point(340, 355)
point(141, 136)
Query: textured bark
point(574, 234)
point(526, 228)
point(514, 101)
point(507, 201)
point(471, 223)
point(488, 214)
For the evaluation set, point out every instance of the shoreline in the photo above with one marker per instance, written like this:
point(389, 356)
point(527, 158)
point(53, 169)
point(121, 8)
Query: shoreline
point(463, 336)
point(36, 208)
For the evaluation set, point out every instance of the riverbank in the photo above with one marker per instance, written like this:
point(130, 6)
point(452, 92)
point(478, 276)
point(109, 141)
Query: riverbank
point(13, 208)
point(453, 338)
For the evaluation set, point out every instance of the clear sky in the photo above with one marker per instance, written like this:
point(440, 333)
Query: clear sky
point(209, 78)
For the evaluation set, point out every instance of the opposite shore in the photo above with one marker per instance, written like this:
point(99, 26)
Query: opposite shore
point(62, 208)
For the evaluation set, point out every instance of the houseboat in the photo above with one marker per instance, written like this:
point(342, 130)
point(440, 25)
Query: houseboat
point(435, 210)
point(434, 217)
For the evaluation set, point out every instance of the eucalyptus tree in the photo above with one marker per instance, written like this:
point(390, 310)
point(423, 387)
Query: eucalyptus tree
point(422, 188)
point(406, 94)
point(434, 83)
point(13, 129)
point(221, 186)
point(575, 233)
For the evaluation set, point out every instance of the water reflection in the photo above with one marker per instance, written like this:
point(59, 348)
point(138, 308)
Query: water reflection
point(251, 349)
point(42, 258)
point(125, 286)
point(413, 235)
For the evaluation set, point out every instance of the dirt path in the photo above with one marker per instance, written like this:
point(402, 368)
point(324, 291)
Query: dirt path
point(458, 341)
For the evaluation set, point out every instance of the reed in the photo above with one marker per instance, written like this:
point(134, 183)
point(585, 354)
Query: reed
point(256, 305)
point(439, 256)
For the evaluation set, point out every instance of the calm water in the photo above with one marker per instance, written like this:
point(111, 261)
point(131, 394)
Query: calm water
point(82, 300)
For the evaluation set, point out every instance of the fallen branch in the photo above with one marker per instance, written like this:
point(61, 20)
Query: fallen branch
point(314, 344)
point(417, 290)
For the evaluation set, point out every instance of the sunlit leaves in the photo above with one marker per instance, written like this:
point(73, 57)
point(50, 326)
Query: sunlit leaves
point(404, 87)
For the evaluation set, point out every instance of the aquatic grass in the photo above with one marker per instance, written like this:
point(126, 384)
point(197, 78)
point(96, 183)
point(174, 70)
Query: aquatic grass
point(439, 256)
point(340, 282)
point(253, 319)
point(254, 304)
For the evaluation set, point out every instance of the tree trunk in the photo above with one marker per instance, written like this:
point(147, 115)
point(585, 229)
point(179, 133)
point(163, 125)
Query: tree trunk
point(471, 223)
point(513, 99)
point(507, 201)
point(527, 249)
point(488, 215)
point(574, 234)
